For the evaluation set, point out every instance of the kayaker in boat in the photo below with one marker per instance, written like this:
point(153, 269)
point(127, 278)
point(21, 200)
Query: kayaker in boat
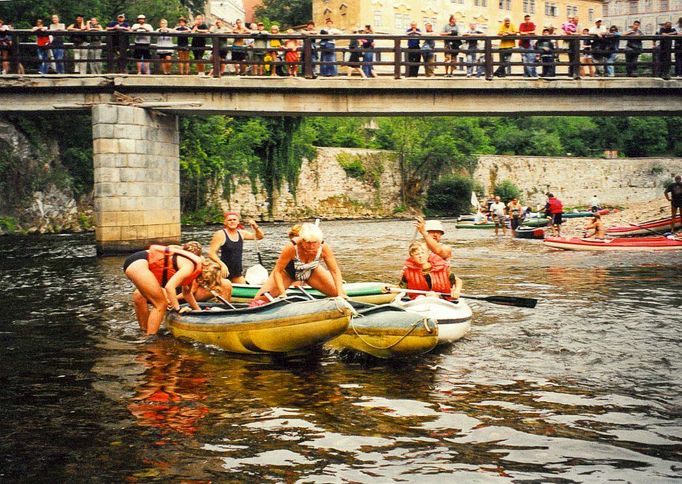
point(300, 261)
point(480, 218)
point(554, 210)
point(674, 195)
point(598, 226)
point(424, 271)
point(515, 210)
point(432, 231)
point(230, 242)
point(157, 272)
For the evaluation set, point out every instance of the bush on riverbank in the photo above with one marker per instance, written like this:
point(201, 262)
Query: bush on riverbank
point(450, 196)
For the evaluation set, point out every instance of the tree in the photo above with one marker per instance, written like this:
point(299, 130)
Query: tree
point(450, 196)
point(288, 14)
point(507, 191)
point(645, 137)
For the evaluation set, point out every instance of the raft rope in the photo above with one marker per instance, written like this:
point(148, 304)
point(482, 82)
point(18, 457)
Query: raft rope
point(412, 328)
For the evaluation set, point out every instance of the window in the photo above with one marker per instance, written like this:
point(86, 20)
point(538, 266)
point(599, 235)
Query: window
point(504, 4)
point(571, 11)
point(606, 9)
point(378, 18)
point(480, 3)
point(526, 6)
point(551, 10)
point(634, 4)
point(532, 6)
point(590, 15)
point(665, 5)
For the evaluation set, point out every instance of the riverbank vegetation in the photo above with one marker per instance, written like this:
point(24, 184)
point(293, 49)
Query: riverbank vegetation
point(216, 150)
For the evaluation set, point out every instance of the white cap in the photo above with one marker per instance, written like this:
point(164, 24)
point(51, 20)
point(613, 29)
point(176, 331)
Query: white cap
point(598, 20)
point(434, 226)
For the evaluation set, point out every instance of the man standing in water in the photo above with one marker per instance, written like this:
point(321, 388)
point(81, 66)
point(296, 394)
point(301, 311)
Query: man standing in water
point(498, 211)
point(554, 210)
point(230, 241)
point(674, 195)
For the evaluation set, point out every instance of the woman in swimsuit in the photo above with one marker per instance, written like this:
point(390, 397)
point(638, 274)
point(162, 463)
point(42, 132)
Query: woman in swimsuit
point(300, 261)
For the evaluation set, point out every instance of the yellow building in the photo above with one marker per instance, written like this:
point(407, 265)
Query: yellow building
point(394, 17)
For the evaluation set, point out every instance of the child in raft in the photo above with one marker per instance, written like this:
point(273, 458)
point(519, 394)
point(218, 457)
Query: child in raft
point(424, 272)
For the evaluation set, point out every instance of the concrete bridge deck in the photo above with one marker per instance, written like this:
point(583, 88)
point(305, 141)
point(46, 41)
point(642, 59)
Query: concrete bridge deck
point(342, 96)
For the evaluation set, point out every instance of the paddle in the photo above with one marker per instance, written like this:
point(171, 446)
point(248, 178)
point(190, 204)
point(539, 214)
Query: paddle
point(643, 227)
point(522, 302)
point(222, 300)
point(257, 275)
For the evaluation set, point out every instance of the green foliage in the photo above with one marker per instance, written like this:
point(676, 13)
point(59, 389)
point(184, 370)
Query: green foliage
point(645, 137)
point(450, 196)
point(8, 224)
point(207, 215)
point(287, 14)
point(340, 132)
point(352, 165)
point(506, 190)
point(367, 168)
point(86, 222)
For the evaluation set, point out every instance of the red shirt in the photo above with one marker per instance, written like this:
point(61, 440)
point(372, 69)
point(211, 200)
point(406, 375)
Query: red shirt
point(523, 29)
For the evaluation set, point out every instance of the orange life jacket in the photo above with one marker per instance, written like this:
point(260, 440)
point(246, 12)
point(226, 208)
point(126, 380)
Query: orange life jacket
point(162, 262)
point(440, 275)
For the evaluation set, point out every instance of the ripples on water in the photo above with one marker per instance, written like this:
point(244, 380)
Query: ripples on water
point(586, 387)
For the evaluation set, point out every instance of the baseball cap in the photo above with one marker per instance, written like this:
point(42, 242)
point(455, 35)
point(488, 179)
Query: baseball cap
point(141, 16)
point(434, 226)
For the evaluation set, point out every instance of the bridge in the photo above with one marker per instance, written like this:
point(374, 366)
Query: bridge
point(135, 117)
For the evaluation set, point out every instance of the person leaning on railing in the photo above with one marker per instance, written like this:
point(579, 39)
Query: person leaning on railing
point(164, 47)
point(183, 45)
point(545, 45)
point(633, 48)
point(95, 51)
point(43, 43)
point(260, 44)
point(80, 44)
point(473, 57)
point(57, 44)
point(506, 46)
point(5, 46)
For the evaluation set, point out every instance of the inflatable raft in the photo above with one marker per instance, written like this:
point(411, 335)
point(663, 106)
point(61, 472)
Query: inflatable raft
point(453, 317)
point(369, 292)
point(283, 326)
point(524, 232)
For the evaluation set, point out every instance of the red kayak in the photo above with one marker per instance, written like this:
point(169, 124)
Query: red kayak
point(659, 226)
point(628, 243)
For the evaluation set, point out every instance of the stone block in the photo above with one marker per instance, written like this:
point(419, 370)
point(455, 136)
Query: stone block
point(128, 131)
point(105, 146)
point(107, 204)
point(135, 175)
point(103, 131)
point(126, 114)
point(104, 114)
point(141, 117)
point(143, 146)
point(131, 204)
point(106, 234)
point(102, 189)
point(127, 146)
point(136, 160)
point(107, 160)
point(107, 175)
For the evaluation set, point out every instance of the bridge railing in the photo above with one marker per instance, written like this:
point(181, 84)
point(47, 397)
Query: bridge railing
point(313, 55)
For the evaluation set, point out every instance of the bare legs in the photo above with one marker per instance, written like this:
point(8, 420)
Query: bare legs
point(148, 289)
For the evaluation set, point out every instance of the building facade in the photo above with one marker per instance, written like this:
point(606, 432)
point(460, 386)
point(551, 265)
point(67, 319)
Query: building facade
point(651, 13)
point(394, 17)
point(226, 10)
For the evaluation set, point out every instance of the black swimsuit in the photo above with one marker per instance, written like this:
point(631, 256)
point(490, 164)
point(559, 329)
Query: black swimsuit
point(141, 255)
point(231, 254)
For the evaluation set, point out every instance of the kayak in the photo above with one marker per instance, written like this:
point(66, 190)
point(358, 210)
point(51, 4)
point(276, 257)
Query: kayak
point(622, 243)
point(469, 217)
point(585, 213)
point(471, 225)
point(535, 222)
point(658, 226)
point(524, 232)
point(282, 326)
point(369, 292)
point(387, 331)
point(453, 317)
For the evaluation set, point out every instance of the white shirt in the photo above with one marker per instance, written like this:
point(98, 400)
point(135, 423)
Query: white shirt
point(497, 209)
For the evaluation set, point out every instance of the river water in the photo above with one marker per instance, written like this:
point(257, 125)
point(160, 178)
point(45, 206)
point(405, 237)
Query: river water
point(586, 387)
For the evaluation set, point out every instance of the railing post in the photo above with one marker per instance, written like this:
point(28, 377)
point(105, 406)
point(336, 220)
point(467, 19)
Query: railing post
point(488, 55)
point(575, 53)
point(215, 57)
point(308, 58)
point(111, 68)
point(15, 51)
point(397, 57)
point(122, 52)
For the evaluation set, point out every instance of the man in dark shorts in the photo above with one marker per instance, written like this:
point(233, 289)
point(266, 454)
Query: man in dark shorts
point(674, 195)
point(554, 210)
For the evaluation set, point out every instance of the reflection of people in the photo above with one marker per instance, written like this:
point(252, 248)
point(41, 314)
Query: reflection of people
point(674, 195)
point(169, 399)
point(230, 241)
point(300, 261)
point(157, 272)
point(598, 226)
point(423, 271)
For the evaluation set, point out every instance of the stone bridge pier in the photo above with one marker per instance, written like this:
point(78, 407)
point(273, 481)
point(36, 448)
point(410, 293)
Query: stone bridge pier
point(136, 155)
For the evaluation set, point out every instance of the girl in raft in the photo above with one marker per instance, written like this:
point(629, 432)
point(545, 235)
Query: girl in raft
point(300, 261)
point(424, 271)
point(158, 271)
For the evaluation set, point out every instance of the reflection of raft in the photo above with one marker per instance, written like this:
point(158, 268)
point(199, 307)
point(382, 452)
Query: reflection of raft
point(386, 331)
point(278, 327)
point(369, 292)
point(453, 318)
point(629, 243)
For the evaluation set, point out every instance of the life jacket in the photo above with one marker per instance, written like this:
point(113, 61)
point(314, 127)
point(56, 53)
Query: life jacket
point(440, 275)
point(162, 262)
point(555, 206)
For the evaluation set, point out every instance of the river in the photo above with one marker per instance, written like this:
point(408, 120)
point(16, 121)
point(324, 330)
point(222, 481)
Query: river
point(586, 387)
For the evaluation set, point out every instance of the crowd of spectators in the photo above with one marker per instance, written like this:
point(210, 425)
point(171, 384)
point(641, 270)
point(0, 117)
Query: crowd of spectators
point(253, 50)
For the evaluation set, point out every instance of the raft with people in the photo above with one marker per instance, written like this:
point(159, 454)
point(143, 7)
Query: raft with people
point(283, 326)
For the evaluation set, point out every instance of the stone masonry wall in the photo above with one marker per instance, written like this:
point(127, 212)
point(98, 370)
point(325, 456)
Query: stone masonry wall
point(574, 180)
point(325, 190)
point(137, 178)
